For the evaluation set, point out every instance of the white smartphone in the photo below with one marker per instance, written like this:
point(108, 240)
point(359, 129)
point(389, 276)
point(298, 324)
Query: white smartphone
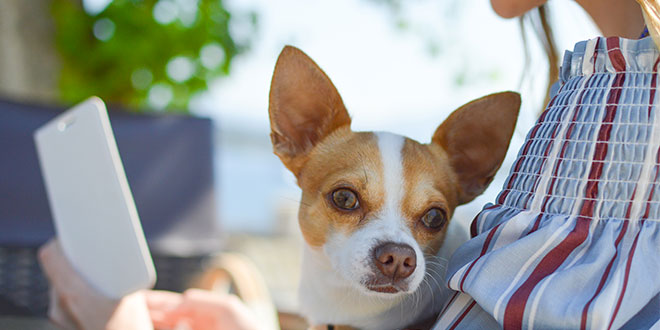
point(95, 217)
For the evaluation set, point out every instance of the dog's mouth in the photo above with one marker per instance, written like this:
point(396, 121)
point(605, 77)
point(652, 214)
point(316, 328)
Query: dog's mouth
point(385, 288)
point(388, 286)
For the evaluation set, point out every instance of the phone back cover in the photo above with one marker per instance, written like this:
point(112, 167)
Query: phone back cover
point(93, 209)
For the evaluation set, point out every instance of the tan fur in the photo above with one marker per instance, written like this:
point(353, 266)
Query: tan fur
point(429, 182)
point(343, 159)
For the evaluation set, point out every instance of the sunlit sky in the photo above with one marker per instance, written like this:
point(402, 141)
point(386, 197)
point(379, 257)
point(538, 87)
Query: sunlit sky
point(388, 77)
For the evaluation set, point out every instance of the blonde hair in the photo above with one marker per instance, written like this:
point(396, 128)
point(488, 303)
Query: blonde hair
point(538, 21)
point(651, 11)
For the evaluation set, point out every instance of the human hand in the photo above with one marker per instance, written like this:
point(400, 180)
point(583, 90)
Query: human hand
point(75, 304)
point(198, 310)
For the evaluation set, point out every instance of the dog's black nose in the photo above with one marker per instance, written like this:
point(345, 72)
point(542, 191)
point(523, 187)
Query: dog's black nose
point(395, 261)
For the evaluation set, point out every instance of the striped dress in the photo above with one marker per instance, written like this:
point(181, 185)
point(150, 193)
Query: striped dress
point(573, 240)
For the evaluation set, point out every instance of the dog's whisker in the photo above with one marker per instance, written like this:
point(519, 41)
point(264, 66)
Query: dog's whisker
point(440, 268)
point(436, 258)
point(439, 261)
point(434, 280)
point(435, 273)
point(433, 256)
point(432, 294)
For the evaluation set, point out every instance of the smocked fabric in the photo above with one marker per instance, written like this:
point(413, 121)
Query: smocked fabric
point(573, 239)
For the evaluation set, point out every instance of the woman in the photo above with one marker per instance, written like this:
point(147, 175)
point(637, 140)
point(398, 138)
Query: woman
point(573, 240)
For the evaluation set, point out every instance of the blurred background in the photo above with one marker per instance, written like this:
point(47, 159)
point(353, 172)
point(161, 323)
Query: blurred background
point(400, 66)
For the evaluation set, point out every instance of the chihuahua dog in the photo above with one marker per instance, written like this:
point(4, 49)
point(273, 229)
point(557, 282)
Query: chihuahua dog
point(375, 206)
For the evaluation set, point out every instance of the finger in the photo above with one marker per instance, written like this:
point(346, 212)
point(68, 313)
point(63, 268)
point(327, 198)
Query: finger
point(64, 278)
point(183, 325)
point(168, 310)
point(198, 296)
point(59, 313)
point(167, 319)
point(46, 248)
point(157, 316)
point(46, 254)
point(162, 300)
point(162, 307)
point(199, 299)
point(57, 267)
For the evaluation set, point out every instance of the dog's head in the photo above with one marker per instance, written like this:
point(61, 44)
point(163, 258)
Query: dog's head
point(375, 204)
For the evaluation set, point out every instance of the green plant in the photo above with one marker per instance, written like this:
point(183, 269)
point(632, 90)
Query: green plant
point(146, 53)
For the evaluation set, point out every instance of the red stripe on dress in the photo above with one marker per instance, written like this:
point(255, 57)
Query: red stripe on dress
point(632, 249)
point(515, 310)
point(516, 167)
point(538, 178)
point(460, 318)
point(509, 186)
point(615, 55)
point(456, 293)
point(648, 201)
point(646, 212)
point(601, 284)
point(596, 171)
point(569, 131)
point(484, 249)
point(473, 225)
point(648, 204)
point(626, 275)
point(513, 314)
point(537, 222)
point(595, 55)
point(654, 83)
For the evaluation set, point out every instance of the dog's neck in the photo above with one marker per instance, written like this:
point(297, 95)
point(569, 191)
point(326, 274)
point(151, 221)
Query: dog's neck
point(325, 297)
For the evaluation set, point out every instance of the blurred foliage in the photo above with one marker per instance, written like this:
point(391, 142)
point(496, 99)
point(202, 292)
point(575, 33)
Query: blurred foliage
point(153, 54)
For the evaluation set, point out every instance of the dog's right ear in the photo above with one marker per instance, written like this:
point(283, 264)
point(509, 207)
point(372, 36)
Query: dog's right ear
point(304, 107)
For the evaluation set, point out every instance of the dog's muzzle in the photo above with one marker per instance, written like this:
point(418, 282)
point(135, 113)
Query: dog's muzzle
point(392, 264)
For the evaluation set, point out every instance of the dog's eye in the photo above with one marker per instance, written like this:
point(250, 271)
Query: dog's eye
point(434, 218)
point(345, 199)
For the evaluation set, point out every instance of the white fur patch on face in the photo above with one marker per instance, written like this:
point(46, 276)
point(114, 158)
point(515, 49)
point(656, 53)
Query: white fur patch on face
point(390, 146)
point(352, 255)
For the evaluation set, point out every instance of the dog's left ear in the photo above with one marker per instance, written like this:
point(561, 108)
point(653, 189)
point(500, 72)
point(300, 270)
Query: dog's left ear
point(304, 107)
point(476, 137)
